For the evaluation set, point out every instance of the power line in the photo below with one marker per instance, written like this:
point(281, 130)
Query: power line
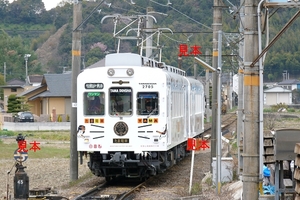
point(168, 5)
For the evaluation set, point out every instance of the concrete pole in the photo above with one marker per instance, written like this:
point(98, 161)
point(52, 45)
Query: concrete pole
point(217, 25)
point(26, 56)
point(229, 92)
point(149, 27)
point(219, 134)
point(76, 60)
point(4, 72)
point(207, 99)
point(26, 69)
point(251, 110)
point(240, 115)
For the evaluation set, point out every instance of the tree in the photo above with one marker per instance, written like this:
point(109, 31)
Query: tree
point(17, 104)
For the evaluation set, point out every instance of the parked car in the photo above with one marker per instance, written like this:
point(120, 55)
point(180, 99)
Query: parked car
point(24, 117)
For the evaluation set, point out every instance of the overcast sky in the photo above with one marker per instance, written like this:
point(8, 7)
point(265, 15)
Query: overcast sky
point(48, 3)
point(51, 3)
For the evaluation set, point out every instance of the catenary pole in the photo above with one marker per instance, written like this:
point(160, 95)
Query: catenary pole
point(219, 134)
point(207, 83)
point(217, 25)
point(149, 27)
point(76, 60)
point(251, 110)
point(240, 115)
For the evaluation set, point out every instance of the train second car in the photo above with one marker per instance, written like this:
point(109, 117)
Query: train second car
point(135, 116)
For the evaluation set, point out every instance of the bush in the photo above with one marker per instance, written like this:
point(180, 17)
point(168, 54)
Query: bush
point(278, 107)
point(59, 118)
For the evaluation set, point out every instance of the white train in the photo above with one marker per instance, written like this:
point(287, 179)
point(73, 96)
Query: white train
point(115, 128)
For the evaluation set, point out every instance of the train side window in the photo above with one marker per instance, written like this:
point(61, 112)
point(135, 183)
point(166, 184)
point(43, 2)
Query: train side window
point(94, 103)
point(120, 101)
point(147, 103)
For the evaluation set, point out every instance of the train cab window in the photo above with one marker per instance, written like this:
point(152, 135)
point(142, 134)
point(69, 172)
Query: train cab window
point(94, 103)
point(120, 101)
point(147, 103)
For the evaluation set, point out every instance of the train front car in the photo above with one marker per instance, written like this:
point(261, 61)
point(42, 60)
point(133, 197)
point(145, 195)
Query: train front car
point(126, 117)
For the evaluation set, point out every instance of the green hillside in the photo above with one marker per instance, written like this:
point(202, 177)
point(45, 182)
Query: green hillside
point(26, 26)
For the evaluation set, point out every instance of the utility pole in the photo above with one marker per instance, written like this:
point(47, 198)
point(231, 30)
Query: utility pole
point(149, 30)
point(217, 25)
point(229, 92)
point(240, 121)
point(207, 83)
point(4, 73)
point(76, 60)
point(26, 56)
point(251, 111)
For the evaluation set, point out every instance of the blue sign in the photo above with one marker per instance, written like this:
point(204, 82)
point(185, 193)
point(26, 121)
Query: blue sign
point(20, 156)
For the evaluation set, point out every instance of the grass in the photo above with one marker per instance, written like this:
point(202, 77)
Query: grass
point(45, 135)
point(7, 152)
point(196, 189)
point(53, 145)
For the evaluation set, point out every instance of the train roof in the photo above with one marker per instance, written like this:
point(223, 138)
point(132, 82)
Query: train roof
point(134, 60)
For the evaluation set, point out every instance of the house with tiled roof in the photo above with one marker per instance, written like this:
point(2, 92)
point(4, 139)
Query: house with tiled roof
point(14, 86)
point(45, 94)
point(290, 84)
point(52, 95)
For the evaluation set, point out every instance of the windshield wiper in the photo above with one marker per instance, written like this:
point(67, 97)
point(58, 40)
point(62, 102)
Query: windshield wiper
point(154, 110)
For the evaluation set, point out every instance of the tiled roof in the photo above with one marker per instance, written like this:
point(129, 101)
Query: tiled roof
point(59, 85)
point(100, 63)
point(15, 82)
point(277, 89)
point(289, 82)
point(35, 79)
point(29, 90)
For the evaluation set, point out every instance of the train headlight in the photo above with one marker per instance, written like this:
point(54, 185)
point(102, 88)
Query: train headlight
point(130, 72)
point(110, 72)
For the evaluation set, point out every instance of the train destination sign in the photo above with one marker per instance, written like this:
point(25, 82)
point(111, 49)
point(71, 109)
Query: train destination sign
point(93, 94)
point(94, 86)
point(117, 90)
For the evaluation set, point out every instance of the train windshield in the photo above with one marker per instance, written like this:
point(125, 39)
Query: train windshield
point(94, 103)
point(120, 100)
point(147, 103)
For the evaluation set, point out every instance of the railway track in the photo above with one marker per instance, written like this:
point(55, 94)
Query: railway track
point(93, 192)
point(226, 121)
point(121, 189)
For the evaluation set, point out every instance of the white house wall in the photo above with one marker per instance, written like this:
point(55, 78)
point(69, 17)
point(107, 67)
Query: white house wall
point(276, 98)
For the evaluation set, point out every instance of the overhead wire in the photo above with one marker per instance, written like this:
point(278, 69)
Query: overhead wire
point(168, 5)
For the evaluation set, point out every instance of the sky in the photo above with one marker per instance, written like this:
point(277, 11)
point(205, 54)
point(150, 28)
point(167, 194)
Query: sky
point(49, 4)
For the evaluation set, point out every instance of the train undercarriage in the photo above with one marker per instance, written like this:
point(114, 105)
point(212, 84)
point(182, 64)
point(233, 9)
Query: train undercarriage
point(131, 165)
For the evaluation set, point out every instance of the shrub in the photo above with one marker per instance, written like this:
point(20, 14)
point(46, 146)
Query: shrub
point(59, 118)
point(278, 107)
